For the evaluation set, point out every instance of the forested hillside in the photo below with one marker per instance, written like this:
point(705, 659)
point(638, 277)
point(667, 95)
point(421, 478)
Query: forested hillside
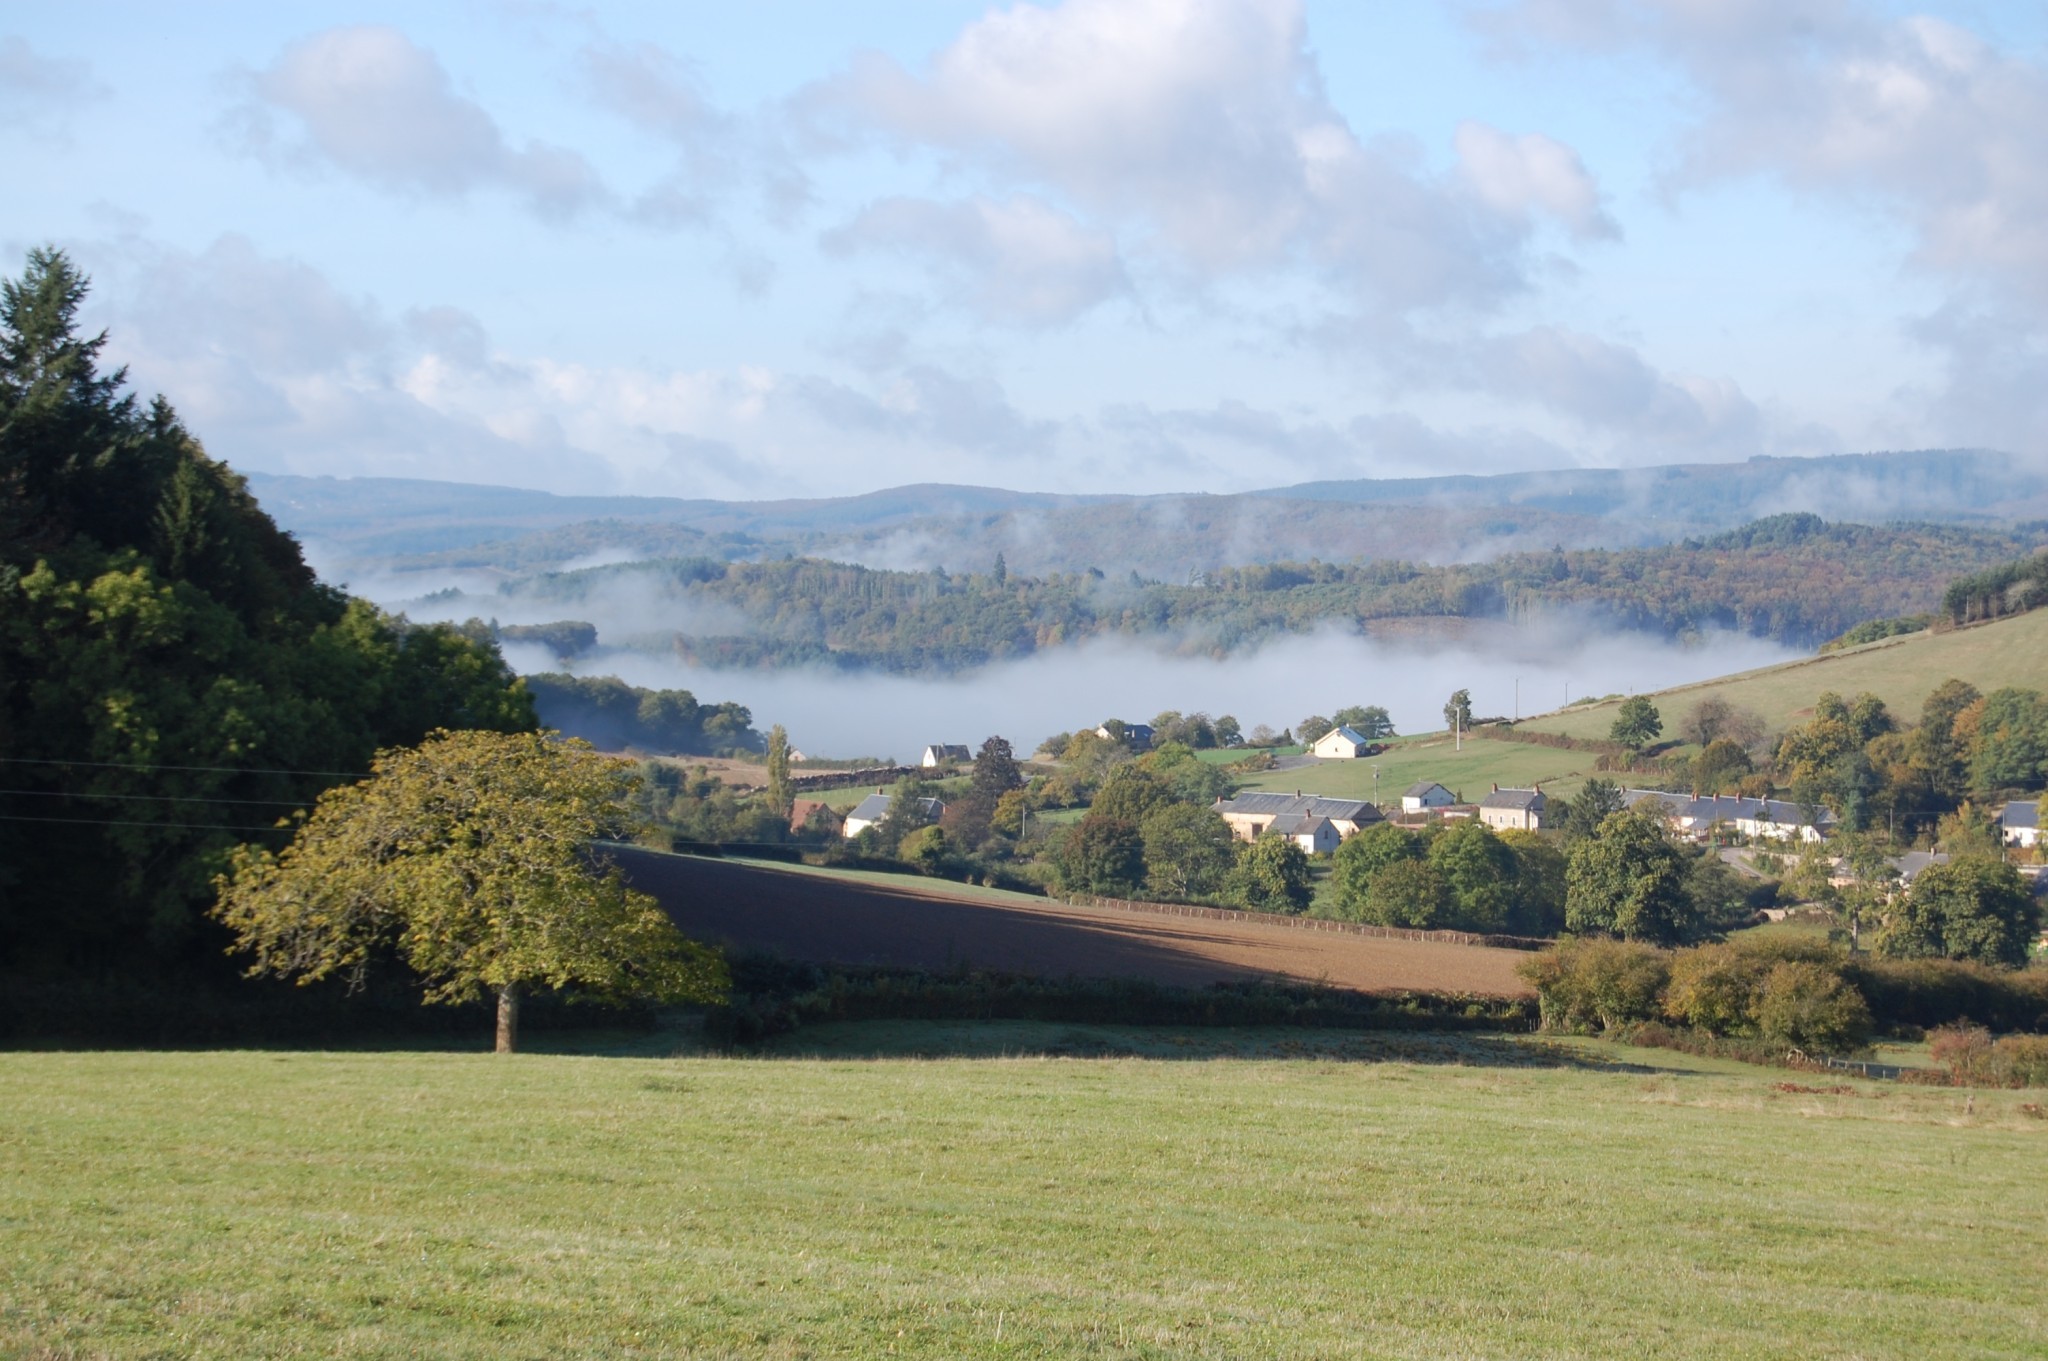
point(173, 678)
point(1794, 579)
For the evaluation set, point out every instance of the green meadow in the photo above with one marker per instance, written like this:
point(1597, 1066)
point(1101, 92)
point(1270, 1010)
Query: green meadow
point(1900, 671)
point(1010, 1190)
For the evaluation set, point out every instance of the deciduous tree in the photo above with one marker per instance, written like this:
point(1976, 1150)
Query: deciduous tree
point(1628, 880)
point(470, 856)
point(1973, 907)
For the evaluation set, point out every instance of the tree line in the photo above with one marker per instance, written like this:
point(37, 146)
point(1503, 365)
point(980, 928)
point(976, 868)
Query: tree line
point(1754, 580)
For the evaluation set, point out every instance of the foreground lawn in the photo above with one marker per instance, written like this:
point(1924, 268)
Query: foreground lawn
point(1152, 1194)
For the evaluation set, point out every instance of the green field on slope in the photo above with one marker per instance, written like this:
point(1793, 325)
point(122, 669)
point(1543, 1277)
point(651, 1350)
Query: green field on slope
point(1468, 772)
point(1369, 1196)
point(1900, 671)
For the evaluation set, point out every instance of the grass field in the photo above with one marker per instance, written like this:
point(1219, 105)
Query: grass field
point(1220, 1194)
point(1900, 671)
point(1470, 772)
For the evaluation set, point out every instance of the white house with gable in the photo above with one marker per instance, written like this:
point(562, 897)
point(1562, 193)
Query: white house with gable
point(1340, 743)
point(1424, 797)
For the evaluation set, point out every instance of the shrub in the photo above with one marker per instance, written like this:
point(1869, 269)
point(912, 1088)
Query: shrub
point(1972, 1058)
point(1714, 988)
point(1959, 1048)
point(1808, 1006)
point(1597, 983)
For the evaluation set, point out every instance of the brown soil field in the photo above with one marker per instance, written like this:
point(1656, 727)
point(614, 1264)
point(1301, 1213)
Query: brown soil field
point(920, 924)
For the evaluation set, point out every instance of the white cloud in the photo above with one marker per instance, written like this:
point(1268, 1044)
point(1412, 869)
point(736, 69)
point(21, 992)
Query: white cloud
point(1516, 175)
point(1203, 127)
point(1916, 118)
point(35, 90)
point(1018, 260)
point(374, 105)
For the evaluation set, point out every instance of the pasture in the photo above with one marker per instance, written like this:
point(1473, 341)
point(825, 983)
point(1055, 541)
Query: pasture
point(1900, 671)
point(1224, 1194)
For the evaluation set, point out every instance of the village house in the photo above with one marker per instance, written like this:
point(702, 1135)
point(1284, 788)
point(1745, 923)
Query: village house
point(1513, 809)
point(2020, 824)
point(1695, 816)
point(944, 754)
point(870, 811)
point(1315, 835)
point(1341, 743)
point(1137, 736)
point(1253, 815)
point(1424, 797)
point(803, 811)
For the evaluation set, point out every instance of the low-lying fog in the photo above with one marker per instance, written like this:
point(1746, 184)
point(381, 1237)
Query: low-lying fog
point(854, 714)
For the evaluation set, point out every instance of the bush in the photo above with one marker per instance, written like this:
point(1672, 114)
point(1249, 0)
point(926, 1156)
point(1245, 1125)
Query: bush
point(1597, 983)
point(1972, 1058)
point(1808, 1006)
point(1717, 988)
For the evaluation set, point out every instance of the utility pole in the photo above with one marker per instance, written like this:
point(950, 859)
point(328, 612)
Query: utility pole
point(1518, 699)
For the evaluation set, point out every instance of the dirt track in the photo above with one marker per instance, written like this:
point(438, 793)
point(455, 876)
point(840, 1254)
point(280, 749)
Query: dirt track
point(919, 924)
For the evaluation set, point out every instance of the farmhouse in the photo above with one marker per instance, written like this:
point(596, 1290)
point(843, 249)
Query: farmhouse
point(1770, 819)
point(872, 809)
point(1316, 835)
point(1423, 797)
point(944, 754)
point(1252, 815)
point(2020, 823)
point(1519, 809)
point(803, 811)
point(1342, 743)
point(1138, 736)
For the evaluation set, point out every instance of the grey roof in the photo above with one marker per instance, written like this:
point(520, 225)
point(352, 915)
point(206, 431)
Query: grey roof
point(949, 751)
point(1300, 805)
point(875, 807)
point(1350, 732)
point(2018, 814)
point(1728, 808)
point(1530, 800)
point(1421, 788)
point(1294, 824)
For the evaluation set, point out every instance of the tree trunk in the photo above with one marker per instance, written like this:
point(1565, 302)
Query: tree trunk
point(508, 1018)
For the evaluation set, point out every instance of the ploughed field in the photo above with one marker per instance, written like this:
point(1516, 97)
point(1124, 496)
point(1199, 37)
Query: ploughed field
point(906, 922)
point(1373, 1195)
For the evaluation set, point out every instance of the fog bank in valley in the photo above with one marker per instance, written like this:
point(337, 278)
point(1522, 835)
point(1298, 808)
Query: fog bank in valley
point(859, 714)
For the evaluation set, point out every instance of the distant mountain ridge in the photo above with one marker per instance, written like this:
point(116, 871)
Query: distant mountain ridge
point(426, 528)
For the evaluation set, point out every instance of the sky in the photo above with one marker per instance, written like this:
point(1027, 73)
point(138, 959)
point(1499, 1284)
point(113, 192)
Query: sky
point(805, 249)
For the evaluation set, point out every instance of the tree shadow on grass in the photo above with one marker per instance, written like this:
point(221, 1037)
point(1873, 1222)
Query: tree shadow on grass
point(873, 1040)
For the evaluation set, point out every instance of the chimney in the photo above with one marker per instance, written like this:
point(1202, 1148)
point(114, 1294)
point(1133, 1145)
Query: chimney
point(1496, 788)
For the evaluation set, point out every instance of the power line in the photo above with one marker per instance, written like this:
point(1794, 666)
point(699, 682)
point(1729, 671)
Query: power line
point(118, 822)
point(149, 798)
point(209, 770)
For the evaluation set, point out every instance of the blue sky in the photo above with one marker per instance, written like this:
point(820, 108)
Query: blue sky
point(1131, 245)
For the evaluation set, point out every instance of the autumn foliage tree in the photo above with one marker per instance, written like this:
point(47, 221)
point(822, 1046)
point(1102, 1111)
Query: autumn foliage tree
point(471, 858)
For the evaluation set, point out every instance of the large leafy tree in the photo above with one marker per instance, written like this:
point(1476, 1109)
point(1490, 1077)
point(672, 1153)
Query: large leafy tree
point(1189, 850)
point(471, 858)
point(1628, 880)
point(1637, 723)
point(1272, 875)
point(1974, 907)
